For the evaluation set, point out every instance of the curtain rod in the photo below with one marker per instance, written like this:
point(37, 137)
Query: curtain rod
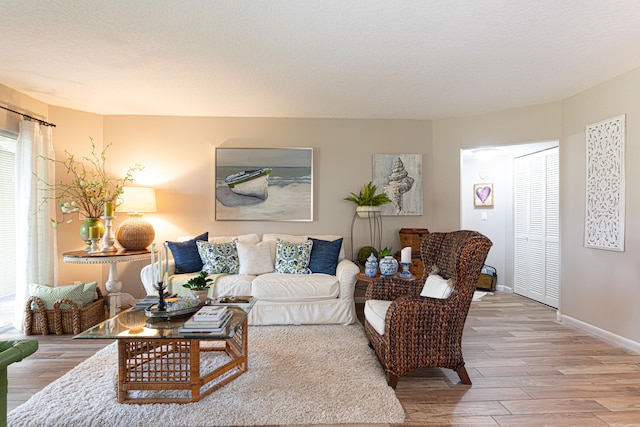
point(28, 117)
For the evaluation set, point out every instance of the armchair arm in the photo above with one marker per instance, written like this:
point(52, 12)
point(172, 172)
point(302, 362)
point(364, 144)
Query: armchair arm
point(419, 330)
point(346, 273)
point(390, 288)
point(15, 351)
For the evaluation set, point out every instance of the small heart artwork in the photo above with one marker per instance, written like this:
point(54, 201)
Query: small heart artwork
point(483, 193)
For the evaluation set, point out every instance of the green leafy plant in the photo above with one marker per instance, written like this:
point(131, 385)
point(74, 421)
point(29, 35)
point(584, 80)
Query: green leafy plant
point(384, 252)
point(199, 283)
point(368, 197)
point(90, 186)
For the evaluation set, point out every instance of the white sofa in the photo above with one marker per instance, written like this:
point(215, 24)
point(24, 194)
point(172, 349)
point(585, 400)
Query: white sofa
point(283, 299)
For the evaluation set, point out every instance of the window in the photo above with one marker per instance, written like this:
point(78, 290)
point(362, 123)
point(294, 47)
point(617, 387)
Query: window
point(7, 228)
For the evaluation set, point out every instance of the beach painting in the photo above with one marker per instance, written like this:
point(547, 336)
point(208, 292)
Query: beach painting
point(264, 184)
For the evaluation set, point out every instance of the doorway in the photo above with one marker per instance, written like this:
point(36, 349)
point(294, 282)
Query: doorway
point(496, 165)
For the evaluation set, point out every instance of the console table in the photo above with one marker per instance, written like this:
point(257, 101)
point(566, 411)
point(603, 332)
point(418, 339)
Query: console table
point(113, 286)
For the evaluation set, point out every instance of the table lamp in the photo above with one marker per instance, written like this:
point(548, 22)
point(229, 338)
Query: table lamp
point(136, 233)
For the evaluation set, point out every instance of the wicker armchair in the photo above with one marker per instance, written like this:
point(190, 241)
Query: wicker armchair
point(427, 332)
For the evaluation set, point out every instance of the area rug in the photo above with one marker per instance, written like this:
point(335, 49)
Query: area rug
point(297, 375)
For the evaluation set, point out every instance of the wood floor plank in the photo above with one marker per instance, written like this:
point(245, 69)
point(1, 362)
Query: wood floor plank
point(527, 370)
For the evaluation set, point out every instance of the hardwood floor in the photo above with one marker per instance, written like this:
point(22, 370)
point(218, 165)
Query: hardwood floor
point(527, 370)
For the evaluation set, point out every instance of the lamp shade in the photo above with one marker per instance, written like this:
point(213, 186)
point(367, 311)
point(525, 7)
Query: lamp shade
point(137, 199)
point(136, 233)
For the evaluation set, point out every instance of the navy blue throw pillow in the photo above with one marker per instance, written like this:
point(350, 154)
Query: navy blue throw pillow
point(186, 254)
point(324, 256)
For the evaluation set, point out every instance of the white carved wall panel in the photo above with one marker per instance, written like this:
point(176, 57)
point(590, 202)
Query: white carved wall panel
point(605, 193)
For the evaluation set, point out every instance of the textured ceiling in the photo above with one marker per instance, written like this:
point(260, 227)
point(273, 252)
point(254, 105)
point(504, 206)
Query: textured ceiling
point(414, 59)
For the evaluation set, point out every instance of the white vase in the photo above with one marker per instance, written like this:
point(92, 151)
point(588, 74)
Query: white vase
point(388, 266)
point(201, 294)
point(368, 211)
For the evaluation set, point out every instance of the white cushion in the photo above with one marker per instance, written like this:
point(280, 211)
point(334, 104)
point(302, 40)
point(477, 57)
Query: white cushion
point(375, 311)
point(288, 287)
point(243, 238)
point(437, 287)
point(233, 284)
point(255, 258)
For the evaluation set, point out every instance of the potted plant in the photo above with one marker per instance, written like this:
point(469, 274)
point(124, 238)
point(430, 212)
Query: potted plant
point(384, 252)
point(368, 201)
point(199, 286)
point(87, 190)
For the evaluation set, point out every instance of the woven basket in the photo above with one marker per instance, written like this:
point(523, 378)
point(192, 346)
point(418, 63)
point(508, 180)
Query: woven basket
point(63, 321)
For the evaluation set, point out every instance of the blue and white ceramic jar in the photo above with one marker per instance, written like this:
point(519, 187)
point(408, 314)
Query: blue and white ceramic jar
point(388, 266)
point(371, 266)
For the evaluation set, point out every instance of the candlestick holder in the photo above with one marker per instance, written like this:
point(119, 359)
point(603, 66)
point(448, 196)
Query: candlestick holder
point(107, 239)
point(405, 269)
point(161, 303)
point(95, 245)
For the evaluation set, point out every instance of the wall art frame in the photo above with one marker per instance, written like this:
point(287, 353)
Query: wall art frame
point(400, 177)
point(604, 226)
point(264, 184)
point(483, 194)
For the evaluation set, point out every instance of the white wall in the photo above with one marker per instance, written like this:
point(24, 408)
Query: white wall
point(598, 287)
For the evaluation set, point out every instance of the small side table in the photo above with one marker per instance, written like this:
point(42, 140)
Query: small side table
point(363, 277)
point(113, 286)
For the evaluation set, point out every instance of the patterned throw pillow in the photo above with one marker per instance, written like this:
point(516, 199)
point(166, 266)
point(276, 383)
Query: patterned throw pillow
point(49, 295)
point(293, 258)
point(219, 257)
point(89, 293)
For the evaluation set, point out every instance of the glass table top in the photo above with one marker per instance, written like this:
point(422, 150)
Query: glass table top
point(135, 323)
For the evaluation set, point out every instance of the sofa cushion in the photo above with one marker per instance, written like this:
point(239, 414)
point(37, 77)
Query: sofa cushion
point(255, 258)
point(234, 284)
point(437, 287)
point(295, 287)
point(293, 258)
point(243, 238)
point(185, 254)
point(219, 257)
point(324, 256)
point(49, 295)
point(375, 311)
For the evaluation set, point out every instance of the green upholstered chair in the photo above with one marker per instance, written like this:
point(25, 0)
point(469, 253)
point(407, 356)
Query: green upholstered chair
point(10, 352)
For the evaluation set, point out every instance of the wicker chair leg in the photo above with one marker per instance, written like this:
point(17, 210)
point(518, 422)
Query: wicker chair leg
point(392, 380)
point(464, 376)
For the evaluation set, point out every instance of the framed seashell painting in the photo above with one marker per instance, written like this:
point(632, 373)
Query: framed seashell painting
point(400, 177)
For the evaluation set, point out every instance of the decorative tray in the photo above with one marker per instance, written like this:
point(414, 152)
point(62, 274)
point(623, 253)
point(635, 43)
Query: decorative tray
point(155, 313)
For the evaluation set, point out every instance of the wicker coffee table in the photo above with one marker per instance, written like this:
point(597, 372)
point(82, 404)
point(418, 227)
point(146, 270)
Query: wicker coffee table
point(159, 364)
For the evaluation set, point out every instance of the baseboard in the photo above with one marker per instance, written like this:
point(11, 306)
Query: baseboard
point(607, 336)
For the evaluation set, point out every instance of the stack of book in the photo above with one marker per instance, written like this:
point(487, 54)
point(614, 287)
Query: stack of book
point(209, 319)
point(150, 300)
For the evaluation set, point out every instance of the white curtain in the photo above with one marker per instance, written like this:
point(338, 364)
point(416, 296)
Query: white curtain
point(35, 248)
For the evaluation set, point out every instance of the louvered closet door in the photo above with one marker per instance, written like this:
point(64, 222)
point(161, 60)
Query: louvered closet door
point(536, 221)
